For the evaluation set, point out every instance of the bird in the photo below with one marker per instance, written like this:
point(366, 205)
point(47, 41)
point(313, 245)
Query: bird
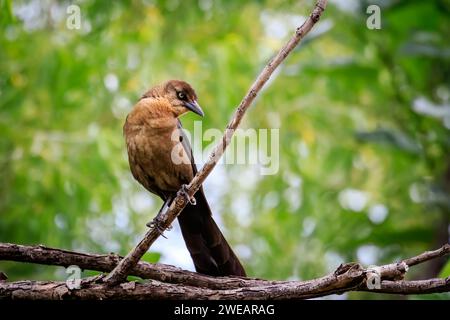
point(161, 160)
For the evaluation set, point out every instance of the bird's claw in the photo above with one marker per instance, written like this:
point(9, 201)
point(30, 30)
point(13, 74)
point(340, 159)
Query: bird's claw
point(156, 224)
point(184, 192)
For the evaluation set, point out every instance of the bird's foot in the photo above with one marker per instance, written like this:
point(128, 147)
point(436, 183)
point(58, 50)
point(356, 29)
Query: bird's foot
point(185, 194)
point(156, 224)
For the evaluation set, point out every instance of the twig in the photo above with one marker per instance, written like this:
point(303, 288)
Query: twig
point(126, 265)
point(444, 250)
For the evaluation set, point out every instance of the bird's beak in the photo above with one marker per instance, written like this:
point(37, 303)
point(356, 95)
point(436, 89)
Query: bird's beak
point(194, 107)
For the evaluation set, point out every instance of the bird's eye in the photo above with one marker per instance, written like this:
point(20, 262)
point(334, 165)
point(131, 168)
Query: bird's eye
point(181, 95)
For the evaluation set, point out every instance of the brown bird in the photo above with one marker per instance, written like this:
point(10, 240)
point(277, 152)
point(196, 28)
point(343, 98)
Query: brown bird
point(161, 159)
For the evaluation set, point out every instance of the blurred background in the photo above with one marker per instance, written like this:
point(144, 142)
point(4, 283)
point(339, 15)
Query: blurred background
point(363, 118)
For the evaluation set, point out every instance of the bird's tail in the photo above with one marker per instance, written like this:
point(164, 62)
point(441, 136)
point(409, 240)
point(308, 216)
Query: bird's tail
point(211, 253)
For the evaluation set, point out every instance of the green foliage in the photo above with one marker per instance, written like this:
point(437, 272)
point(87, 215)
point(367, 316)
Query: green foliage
point(362, 174)
point(6, 14)
point(445, 271)
point(151, 257)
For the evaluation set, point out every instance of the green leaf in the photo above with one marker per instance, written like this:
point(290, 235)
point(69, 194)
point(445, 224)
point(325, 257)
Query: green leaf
point(6, 14)
point(133, 278)
point(151, 257)
point(445, 271)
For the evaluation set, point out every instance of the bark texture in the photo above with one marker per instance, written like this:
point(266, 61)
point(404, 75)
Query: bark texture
point(168, 282)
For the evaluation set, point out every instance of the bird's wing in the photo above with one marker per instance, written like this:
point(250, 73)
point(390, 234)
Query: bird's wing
point(187, 147)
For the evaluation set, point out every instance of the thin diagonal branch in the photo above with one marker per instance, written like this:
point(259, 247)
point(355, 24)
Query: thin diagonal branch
point(429, 255)
point(166, 218)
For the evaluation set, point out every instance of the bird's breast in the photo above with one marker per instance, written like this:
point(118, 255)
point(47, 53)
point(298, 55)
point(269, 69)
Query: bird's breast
point(158, 158)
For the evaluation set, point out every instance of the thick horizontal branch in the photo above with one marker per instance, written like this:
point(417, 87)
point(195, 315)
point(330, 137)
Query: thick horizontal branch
point(106, 262)
point(174, 283)
point(413, 287)
point(153, 289)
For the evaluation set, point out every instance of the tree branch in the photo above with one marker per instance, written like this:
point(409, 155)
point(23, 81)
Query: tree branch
point(428, 255)
point(413, 287)
point(168, 282)
point(158, 290)
point(106, 262)
point(166, 218)
point(153, 289)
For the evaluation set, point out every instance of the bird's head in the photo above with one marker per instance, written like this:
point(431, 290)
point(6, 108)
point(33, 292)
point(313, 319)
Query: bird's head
point(181, 97)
